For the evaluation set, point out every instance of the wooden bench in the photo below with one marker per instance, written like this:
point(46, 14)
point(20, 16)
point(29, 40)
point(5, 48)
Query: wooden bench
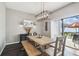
point(30, 49)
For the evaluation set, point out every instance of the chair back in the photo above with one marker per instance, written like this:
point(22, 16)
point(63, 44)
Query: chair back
point(59, 46)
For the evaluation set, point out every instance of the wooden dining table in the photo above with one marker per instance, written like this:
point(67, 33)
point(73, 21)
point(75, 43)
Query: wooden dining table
point(42, 41)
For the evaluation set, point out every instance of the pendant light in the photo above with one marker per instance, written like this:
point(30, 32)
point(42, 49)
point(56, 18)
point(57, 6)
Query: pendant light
point(43, 15)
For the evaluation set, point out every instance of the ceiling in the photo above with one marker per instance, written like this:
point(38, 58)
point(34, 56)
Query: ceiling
point(35, 7)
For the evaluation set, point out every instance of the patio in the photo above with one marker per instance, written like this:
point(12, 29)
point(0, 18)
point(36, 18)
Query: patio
point(72, 34)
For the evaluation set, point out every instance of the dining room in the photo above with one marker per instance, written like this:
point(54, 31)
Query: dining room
point(36, 29)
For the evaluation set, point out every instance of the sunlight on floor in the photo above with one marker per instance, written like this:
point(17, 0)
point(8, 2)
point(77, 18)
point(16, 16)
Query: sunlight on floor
point(70, 43)
point(70, 51)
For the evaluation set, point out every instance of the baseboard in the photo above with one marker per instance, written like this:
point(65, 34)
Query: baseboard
point(7, 44)
point(2, 49)
point(12, 43)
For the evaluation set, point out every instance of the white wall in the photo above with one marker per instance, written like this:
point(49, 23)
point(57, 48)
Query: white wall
point(68, 11)
point(41, 28)
point(55, 29)
point(2, 27)
point(38, 28)
point(13, 21)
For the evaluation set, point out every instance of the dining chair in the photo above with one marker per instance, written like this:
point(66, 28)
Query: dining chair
point(58, 50)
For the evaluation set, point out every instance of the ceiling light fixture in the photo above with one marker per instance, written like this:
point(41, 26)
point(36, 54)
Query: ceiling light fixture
point(44, 14)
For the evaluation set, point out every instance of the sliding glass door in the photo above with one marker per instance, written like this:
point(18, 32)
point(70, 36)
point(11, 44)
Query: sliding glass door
point(71, 31)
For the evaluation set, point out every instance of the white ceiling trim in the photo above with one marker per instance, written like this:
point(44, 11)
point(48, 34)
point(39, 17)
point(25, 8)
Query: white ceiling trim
point(35, 7)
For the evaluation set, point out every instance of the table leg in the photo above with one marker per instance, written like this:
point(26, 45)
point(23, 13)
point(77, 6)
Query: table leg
point(42, 48)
